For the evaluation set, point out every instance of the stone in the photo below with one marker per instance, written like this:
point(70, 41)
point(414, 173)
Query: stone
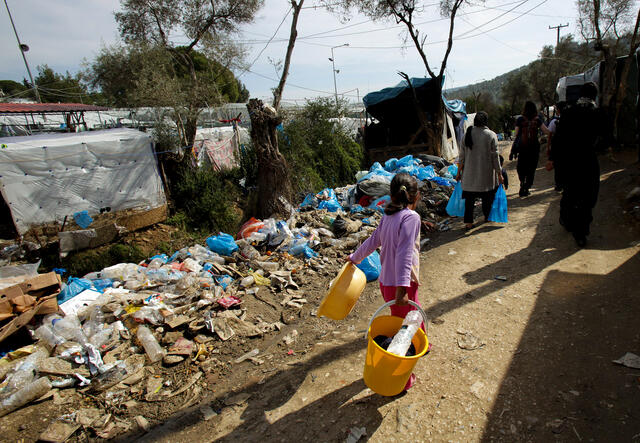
point(171, 360)
point(142, 423)
point(207, 412)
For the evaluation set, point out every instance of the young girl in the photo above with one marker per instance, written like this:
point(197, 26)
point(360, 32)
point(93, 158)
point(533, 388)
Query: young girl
point(398, 236)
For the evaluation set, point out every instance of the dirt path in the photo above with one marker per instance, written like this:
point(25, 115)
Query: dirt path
point(544, 372)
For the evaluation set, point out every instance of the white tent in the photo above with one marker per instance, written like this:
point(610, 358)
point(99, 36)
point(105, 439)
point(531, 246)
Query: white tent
point(44, 178)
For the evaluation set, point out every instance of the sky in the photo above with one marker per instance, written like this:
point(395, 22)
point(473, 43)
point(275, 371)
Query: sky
point(490, 38)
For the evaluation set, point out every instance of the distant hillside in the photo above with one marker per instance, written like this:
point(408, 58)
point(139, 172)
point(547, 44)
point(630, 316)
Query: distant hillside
point(492, 88)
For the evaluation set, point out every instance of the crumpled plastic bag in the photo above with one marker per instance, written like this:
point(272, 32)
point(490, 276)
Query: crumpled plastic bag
point(371, 266)
point(455, 207)
point(222, 244)
point(499, 211)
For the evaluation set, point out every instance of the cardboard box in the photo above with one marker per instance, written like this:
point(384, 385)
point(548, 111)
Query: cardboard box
point(21, 302)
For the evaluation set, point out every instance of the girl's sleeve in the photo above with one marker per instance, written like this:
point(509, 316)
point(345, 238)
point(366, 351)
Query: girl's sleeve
point(409, 232)
point(366, 248)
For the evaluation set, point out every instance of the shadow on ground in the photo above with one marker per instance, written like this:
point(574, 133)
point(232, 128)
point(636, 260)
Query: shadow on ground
point(561, 384)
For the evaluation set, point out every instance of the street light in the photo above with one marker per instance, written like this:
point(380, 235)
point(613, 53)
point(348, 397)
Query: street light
point(23, 48)
point(333, 63)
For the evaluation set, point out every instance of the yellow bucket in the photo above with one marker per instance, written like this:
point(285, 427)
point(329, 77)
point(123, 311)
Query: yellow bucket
point(343, 292)
point(386, 373)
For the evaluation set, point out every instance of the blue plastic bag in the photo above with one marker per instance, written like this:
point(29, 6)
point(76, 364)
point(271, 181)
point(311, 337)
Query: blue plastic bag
point(302, 248)
point(74, 287)
point(356, 208)
point(102, 284)
point(426, 173)
point(331, 203)
point(391, 164)
point(498, 212)
point(83, 219)
point(371, 266)
point(223, 244)
point(224, 280)
point(407, 160)
point(309, 201)
point(443, 181)
point(453, 170)
point(380, 203)
point(455, 207)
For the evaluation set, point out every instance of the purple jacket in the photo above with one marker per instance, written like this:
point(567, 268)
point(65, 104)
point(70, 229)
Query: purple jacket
point(398, 237)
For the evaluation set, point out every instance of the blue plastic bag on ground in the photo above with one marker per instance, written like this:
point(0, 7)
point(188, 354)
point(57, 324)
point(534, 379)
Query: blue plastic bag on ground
point(309, 201)
point(356, 208)
point(302, 247)
point(498, 212)
point(83, 219)
point(223, 244)
point(426, 173)
point(453, 170)
point(406, 161)
point(74, 287)
point(371, 266)
point(443, 181)
point(391, 164)
point(380, 203)
point(455, 207)
point(328, 200)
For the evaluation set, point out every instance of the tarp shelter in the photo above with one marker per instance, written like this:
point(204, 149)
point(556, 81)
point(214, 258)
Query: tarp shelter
point(23, 118)
point(568, 89)
point(44, 178)
point(220, 147)
point(397, 120)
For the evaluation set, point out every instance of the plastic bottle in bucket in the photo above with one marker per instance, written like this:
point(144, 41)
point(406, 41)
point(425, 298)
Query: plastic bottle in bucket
point(402, 340)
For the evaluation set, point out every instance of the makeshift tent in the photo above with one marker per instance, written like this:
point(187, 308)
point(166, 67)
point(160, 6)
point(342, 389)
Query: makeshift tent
point(219, 147)
point(46, 177)
point(568, 89)
point(398, 122)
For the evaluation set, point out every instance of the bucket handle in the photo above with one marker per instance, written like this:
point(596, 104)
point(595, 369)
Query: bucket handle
point(393, 302)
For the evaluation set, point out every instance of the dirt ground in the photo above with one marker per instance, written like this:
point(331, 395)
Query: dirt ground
point(547, 336)
point(542, 370)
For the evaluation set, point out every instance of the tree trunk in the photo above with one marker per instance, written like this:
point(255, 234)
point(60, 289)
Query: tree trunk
point(436, 128)
point(274, 186)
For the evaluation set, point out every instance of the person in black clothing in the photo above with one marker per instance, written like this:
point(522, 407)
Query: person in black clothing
point(526, 146)
point(574, 153)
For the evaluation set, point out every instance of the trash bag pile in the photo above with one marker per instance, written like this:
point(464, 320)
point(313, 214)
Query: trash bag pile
point(113, 328)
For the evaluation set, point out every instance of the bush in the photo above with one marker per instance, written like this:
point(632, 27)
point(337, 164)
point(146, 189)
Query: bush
point(204, 199)
point(81, 263)
point(320, 153)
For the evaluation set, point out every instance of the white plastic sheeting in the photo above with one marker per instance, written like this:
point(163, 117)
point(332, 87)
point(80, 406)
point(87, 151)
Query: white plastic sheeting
point(46, 177)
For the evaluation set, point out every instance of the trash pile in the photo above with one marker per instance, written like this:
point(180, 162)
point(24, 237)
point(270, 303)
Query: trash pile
point(111, 333)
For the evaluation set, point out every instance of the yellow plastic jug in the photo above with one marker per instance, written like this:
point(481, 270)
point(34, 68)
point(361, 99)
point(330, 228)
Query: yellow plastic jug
point(343, 293)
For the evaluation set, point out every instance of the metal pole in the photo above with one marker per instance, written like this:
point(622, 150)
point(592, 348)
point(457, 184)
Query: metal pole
point(335, 85)
point(35, 87)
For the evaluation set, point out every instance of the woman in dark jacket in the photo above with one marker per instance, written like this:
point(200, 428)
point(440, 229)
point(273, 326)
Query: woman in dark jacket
point(526, 147)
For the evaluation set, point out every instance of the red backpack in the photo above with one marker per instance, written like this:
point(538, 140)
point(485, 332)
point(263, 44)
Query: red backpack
point(529, 133)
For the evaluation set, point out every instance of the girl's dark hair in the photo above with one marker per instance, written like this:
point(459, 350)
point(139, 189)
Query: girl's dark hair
point(530, 110)
point(404, 191)
point(481, 119)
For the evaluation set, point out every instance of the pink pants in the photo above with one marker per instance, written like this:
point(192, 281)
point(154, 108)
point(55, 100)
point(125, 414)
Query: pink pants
point(389, 294)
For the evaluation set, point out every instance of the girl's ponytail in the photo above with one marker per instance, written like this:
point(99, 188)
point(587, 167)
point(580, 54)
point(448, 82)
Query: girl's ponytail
point(404, 191)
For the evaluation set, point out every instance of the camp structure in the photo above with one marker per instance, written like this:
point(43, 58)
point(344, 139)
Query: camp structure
point(399, 127)
point(568, 90)
point(112, 174)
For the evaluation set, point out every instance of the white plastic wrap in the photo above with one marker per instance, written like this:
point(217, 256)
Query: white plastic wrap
point(46, 177)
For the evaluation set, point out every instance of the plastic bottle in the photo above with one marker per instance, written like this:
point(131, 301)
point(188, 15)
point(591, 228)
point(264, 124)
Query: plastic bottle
point(101, 338)
point(24, 373)
point(25, 395)
point(95, 323)
point(402, 340)
point(150, 344)
point(69, 328)
point(45, 334)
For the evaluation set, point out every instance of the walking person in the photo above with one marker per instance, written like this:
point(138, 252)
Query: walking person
point(398, 237)
point(479, 168)
point(526, 146)
point(553, 125)
point(574, 153)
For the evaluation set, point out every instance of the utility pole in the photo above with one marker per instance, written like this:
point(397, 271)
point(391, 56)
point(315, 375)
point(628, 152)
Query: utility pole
point(557, 28)
point(23, 48)
point(333, 64)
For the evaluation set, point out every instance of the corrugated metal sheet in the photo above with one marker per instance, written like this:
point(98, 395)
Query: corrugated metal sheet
point(21, 108)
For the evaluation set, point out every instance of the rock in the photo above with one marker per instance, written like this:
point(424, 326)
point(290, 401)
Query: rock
point(355, 434)
point(237, 399)
point(142, 423)
point(207, 413)
point(476, 388)
point(469, 342)
point(170, 360)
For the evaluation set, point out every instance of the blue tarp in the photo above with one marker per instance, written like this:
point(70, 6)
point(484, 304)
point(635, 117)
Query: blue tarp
point(455, 105)
point(376, 97)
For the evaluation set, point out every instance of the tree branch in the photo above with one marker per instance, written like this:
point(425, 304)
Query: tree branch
point(277, 94)
point(454, 10)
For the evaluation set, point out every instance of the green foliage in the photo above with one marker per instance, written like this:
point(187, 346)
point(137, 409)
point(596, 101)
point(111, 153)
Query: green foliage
point(11, 88)
point(320, 153)
point(204, 199)
point(83, 262)
point(54, 87)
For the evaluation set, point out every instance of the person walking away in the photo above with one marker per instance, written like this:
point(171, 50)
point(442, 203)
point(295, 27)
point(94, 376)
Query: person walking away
point(398, 237)
point(479, 168)
point(553, 124)
point(574, 154)
point(526, 147)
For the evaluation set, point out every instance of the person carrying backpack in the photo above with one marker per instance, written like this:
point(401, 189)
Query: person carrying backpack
point(526, 147)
